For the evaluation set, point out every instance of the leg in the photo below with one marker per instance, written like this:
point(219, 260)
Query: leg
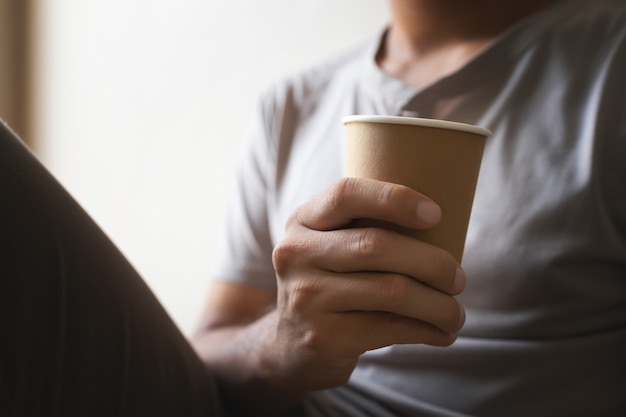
point(82, 335)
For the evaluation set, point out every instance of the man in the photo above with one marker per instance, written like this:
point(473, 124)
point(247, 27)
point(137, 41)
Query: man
point(322, 319)
point(349, 321)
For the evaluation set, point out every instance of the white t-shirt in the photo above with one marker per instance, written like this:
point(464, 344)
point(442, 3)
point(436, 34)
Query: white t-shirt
point(546, 249)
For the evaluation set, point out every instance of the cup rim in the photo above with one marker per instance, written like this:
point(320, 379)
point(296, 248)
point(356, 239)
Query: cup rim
point(418, 121)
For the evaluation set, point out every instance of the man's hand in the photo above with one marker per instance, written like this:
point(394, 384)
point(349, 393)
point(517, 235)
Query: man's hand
point(343, 291)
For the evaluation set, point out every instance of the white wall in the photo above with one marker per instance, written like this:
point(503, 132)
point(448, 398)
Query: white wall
point(143, 103)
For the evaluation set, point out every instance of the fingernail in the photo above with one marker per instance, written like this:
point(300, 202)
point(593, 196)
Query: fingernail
point(428, 212)
point(460, 279)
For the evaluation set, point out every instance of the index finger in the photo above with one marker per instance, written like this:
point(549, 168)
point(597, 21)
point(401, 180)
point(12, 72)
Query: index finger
point(356, 198)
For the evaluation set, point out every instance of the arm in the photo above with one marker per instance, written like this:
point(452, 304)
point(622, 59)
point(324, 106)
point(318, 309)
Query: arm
point(341, 292)
point(230, 327)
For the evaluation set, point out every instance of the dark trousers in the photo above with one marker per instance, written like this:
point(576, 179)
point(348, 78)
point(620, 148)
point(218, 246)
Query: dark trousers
point(81, 333)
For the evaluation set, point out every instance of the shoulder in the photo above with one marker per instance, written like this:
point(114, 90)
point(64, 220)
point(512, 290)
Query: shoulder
point(314, 80)
point(301, 93)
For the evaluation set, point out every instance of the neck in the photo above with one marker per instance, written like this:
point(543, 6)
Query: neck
point(428, 39)
point(420, 25)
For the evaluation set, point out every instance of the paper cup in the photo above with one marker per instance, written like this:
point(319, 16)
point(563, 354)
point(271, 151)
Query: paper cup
point(437, 158)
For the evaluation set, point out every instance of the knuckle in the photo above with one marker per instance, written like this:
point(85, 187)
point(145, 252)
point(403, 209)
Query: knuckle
point(284, 255)
point(438, 262)
point(443, 265)
point(370, 242)
point(456, 318)
point(340, 191)
point(302, 294)
point(394, 290)
point(401, 329)
point(389, 194)
point(314, 338)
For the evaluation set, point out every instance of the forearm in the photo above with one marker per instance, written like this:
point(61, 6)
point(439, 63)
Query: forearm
point(242, 357)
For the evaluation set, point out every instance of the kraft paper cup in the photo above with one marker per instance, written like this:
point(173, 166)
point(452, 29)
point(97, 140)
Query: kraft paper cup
point(437, 158)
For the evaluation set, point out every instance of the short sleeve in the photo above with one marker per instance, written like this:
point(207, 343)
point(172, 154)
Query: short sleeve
point(245, 248)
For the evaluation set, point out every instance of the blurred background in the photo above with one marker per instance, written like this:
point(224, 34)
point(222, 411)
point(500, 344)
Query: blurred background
point(139, 108)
